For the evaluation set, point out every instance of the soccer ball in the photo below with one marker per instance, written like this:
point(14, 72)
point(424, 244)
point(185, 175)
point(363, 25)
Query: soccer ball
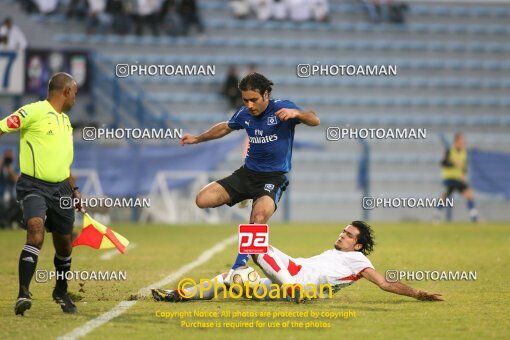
point(243, 280)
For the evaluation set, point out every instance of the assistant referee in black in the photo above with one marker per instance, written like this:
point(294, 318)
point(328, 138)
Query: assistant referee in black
point(46, 155)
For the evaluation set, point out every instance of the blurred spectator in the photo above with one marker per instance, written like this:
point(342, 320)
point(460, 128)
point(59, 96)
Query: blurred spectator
point(170, 19)
point(120, 20)
point(77, 8)
point(28, 6)
point(190, 16)
point(280, 10)
point(147, 13)
point(240, 8)
point(47, 6)
point(230, 88)
point(384, 10)
point(320, 10)
point(9, 208)
point(11, 36)
point(397, 11)
point(299, 10)
point(263, 9)
point(98, 20)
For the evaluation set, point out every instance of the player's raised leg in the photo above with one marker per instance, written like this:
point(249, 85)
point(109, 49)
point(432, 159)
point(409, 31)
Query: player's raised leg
point(212, 195)
point(63, 248)
point(263, 209)
point(28, 262)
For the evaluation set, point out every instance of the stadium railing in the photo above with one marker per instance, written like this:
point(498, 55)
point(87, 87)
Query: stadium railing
point(210, 98)
point(364, 27)
point(273, 43)
point(128, 103)
point(353, 26)
point(172, 204)
point(418, 9)
point(446, 63)
point(386, 82)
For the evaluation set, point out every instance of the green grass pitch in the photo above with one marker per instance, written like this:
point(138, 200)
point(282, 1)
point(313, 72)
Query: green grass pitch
point(472, 310)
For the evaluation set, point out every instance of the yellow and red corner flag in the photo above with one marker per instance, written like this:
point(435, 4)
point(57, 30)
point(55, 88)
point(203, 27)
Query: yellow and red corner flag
point(97, 236)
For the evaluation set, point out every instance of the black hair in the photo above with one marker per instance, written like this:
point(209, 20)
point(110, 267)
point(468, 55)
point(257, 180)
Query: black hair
point(365, 237)
point(256, 82)
point(59, 81)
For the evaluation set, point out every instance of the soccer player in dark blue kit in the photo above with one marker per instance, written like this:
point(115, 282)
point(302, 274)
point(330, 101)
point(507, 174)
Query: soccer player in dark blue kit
point(270, 125)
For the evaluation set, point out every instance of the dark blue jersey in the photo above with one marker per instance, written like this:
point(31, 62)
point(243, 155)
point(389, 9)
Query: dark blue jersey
point(271, 140)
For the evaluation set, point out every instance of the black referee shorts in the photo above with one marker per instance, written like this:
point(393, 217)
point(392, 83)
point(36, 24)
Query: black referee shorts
point(248, 184)
point(43, 199)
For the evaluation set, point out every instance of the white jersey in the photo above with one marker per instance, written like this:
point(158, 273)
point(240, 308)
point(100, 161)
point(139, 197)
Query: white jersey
point(333, 267)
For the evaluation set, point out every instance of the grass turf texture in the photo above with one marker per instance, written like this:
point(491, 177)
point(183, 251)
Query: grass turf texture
point(471, 310)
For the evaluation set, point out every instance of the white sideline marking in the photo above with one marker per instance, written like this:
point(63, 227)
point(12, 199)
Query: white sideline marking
point(108, 255)
point(125, 305)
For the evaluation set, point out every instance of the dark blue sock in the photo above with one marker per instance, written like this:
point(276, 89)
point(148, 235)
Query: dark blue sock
point(241, 260)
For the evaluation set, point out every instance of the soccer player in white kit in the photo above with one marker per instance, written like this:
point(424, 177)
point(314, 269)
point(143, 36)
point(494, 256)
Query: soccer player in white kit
point(335, 268)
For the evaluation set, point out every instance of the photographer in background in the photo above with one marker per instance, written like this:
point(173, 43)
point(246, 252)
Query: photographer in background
point(9, 208)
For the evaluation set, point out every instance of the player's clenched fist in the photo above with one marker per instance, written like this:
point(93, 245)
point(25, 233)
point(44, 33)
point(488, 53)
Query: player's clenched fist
point(188, 139)
point(286, 114)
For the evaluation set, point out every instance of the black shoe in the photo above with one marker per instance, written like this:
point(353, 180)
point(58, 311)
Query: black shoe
point(65, 302)
point(23, 302)
point(167, 295)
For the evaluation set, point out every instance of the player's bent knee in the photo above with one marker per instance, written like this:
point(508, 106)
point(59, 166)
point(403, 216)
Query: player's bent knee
point(260, 218)
point(211, 196)
point(203, 200)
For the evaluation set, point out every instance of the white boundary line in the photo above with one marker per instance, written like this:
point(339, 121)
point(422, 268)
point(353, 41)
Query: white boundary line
point(125, 305)
point(108, 255)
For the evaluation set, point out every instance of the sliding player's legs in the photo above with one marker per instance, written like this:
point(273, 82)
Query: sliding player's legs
point(281, 269)
point(205, 290)
point(275, 264)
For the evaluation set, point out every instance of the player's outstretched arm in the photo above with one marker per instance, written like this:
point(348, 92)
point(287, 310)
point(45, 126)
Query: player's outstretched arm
point(306, 117)
point(398, 287)
point(217, 131)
